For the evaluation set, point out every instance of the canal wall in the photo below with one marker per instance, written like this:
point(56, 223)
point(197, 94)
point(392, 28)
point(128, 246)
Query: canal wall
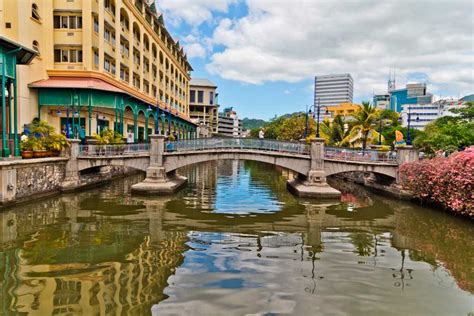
point(375, 182)
point(24, 180)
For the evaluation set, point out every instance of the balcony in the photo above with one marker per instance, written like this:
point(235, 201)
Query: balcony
point(68, 37)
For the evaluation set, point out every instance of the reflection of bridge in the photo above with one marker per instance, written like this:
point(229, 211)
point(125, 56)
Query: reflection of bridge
point(312, 162)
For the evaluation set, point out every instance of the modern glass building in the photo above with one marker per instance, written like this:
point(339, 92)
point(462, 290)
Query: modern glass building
point(414, 93)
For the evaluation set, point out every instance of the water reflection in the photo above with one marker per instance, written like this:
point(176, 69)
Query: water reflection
point(235, 242)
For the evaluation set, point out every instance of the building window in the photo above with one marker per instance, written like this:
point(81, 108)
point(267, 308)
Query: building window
point(124, 73)
point(96, 25)
point(68, 55)
point(211, 98)
point(200, 96)
point(136, 57)
point(96, 58)
point(124, 48)
point(192, 96)
point(136, 81)
point(35, 12)
point(109, 64)
point(109, 6)
point(67, 22)
point(36, 47)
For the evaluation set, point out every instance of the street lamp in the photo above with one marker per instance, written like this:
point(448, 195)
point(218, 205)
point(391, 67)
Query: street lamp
point(409, 120)
point(380, 132)
point(308, 112)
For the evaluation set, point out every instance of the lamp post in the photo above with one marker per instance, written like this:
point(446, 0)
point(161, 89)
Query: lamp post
point(380, 132)
point(409, 120)
point(317, 119)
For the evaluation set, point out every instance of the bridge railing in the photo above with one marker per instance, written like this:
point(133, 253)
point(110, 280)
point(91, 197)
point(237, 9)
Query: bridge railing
point(113, 150)
point(368, 155)
point(237, 143)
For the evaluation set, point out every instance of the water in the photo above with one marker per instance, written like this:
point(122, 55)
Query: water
point(234, 242)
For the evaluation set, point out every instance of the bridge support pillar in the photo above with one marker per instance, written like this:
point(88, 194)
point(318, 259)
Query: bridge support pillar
point(314, 184)
point(71, 179)
point(157, 181)
point(406, 154)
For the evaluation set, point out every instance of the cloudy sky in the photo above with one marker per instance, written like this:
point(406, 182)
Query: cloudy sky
point(264, 54)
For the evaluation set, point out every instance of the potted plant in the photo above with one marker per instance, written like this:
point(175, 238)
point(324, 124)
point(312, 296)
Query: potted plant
point(108, 137)
point(26, 147)
point(56, 143)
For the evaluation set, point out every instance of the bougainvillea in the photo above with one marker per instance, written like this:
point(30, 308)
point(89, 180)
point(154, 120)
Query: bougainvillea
point(448, 182)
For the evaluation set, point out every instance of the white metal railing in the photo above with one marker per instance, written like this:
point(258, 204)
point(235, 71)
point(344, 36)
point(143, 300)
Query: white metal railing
point(113, 150)
point(368, 155)
point(237, 143)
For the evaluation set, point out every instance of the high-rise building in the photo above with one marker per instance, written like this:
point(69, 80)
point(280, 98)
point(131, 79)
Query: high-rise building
point(99, 64)
point(229, 123)
point(203, 104)
point(330, 90)
point(413, 93)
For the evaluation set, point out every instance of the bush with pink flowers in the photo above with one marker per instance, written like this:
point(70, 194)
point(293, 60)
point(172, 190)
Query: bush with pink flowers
point(448, 182)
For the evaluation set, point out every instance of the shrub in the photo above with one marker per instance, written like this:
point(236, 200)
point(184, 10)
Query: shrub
point(448, 182)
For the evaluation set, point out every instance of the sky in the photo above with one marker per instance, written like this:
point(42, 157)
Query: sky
point(263, 54)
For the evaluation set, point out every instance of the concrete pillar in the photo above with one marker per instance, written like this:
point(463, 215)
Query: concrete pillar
point(71, 179)
point(313, 185)
point(404, 155)
point(316, 174)
point(407, 154)
point(157, 181)
point(7, 184)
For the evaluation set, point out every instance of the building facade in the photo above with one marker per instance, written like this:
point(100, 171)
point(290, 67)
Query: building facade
point(414, 93)
point(203, 104)
point(344, 109)
point(331, 90)
point(422, 114)
point(382, 101)
point(229, 124)
point(100, 64)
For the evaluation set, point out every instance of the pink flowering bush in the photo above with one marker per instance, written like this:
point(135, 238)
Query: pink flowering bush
point(448, 182)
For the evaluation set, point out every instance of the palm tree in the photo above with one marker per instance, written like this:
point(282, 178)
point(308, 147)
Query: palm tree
point(334, 131)
point(363, 125)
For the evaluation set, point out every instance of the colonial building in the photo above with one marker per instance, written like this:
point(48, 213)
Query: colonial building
point(203, 105)
point(99, 64)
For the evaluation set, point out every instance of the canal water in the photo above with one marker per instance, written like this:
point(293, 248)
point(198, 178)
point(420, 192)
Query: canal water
point(233, 242)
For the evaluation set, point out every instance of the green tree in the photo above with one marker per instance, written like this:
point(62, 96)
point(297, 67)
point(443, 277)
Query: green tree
point(363, 126)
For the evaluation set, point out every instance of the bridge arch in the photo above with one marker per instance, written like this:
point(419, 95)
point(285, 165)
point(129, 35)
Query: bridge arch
point(334, 167)
point(300, 165)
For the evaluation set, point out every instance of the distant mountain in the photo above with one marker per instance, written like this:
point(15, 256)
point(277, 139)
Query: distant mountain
point(248, 123)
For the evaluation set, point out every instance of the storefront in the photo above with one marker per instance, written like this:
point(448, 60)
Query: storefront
point(11, 55)
point(71, 103)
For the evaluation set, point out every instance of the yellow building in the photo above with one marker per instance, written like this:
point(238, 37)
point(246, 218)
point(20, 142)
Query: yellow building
point(99, 63)
point(344, 109)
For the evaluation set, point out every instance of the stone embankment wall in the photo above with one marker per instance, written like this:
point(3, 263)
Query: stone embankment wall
point(22, 180)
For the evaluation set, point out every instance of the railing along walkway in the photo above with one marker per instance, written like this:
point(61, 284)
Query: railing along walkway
point(113, 150)
point(201, 144)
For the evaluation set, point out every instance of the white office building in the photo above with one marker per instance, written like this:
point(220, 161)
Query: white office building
point(421, 114)
point(229, 124)
point(331, 90)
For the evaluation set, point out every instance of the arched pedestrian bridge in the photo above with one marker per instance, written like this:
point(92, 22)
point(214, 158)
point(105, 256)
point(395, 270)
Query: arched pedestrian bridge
point(312, 162)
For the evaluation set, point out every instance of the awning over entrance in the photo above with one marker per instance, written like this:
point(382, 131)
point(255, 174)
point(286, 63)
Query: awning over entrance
point(75, 83)
point(24, 55)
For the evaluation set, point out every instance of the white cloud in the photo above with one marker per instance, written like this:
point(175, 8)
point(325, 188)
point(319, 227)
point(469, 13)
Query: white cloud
point(193, 12)
point(287, 91)
point(294, 40)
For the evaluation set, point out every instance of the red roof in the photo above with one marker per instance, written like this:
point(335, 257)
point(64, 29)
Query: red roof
point(74, 82)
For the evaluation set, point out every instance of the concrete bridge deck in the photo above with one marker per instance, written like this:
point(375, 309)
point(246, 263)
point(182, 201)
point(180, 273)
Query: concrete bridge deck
point(312, 162)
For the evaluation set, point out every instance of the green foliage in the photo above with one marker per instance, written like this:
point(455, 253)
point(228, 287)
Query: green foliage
point(43, 137)
point(108, 136)
point(363, 126)
point(248, 123)
point(448, 133)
